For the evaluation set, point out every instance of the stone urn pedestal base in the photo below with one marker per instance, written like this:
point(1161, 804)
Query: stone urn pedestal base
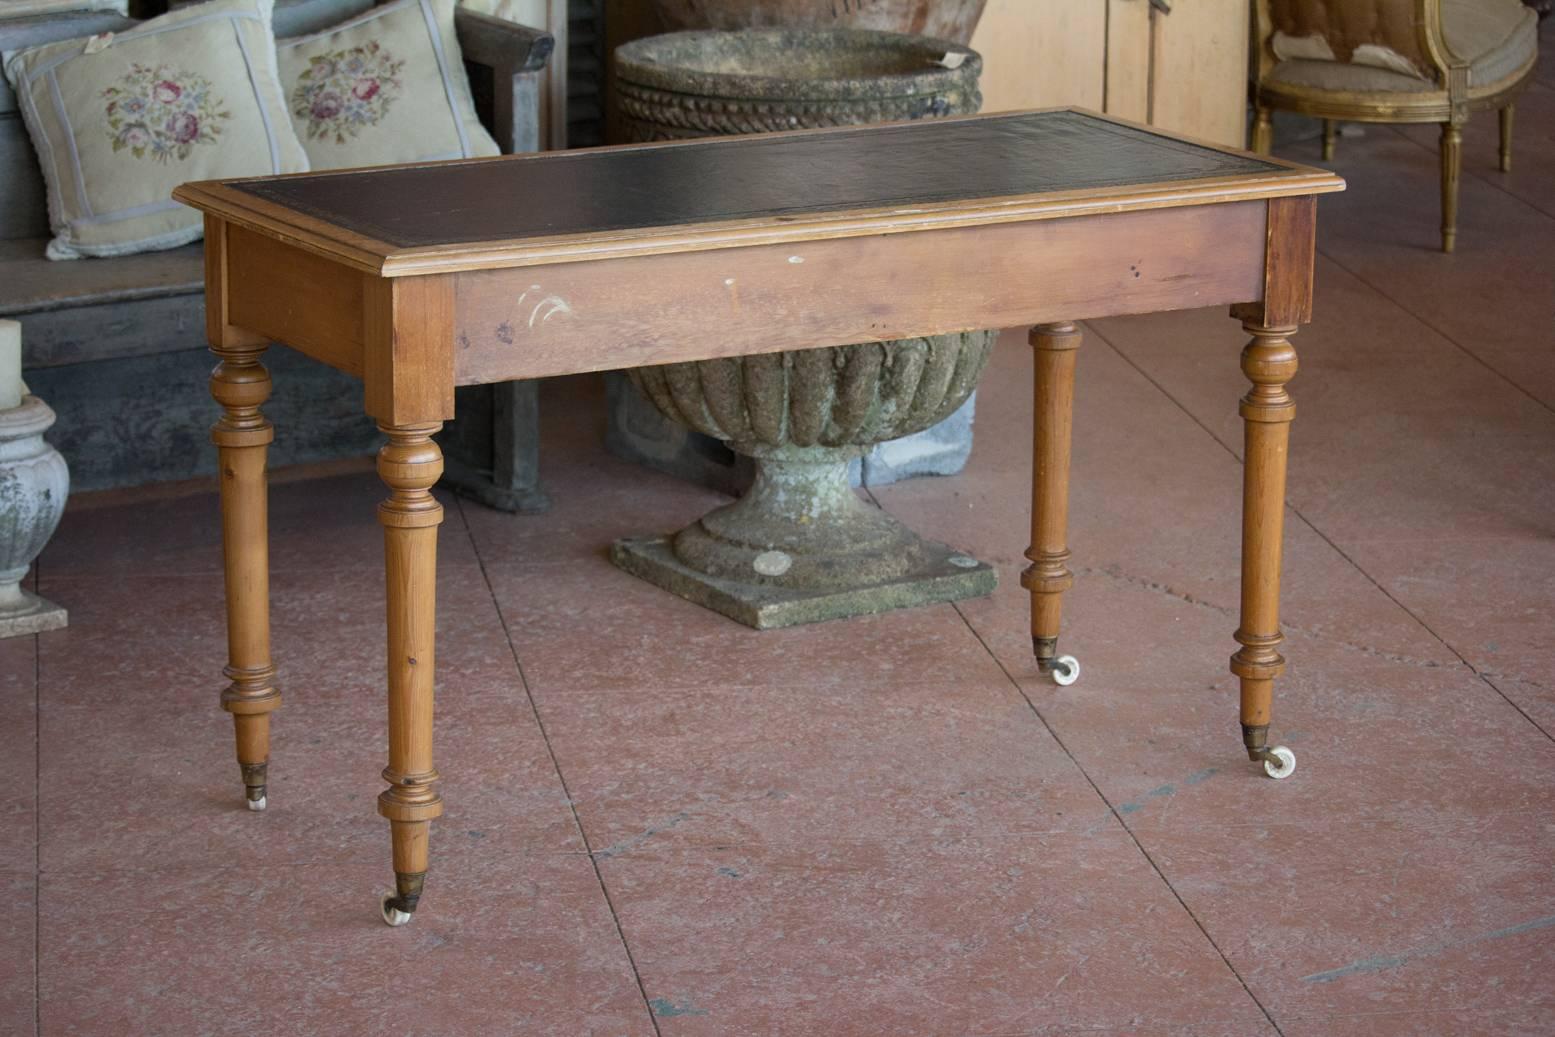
point(802, 547)
point(33, 485)
point(27, 614)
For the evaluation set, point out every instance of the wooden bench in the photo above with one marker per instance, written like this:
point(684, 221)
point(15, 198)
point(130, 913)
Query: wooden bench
point(112, 344)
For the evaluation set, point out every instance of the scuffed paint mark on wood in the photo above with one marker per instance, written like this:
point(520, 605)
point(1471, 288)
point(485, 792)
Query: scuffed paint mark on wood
point(551, 305)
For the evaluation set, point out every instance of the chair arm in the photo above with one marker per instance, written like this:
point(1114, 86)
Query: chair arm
point(508, 60)
point(501, 45)
point(1452, 71)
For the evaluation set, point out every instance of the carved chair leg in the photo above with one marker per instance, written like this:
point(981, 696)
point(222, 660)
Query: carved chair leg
point(1506, 138)
point(1330, 135)
point(1268, 361)
point(1047, 577)
point(1452, 161)
point(1263, 129)
point(242, 436)
point(409, 464)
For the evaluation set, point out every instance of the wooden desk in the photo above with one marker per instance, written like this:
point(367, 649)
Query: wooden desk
point(418, 279)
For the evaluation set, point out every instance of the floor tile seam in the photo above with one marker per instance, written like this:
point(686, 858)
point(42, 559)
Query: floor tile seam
point(577, 820)
point(1410, 315)
point(37, 838)
point(1302, 518)
point(1119, 821)
point(1464, 660)
point(1117, 575)
point(1481, 176)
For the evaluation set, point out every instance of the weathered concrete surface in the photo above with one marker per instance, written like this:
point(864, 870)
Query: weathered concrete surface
point(940, 573)
point(800, 532)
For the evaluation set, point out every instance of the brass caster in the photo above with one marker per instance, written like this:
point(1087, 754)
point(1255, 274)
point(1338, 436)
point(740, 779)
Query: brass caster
point(1278, 762)
point(257, 803)
point(1066, 670)
point(392, 915)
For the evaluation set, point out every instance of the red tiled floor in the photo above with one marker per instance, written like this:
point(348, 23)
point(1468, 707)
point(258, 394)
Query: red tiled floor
point(1350, 918)
point(742, 766)
point(887, 825)
point(18, 950)
point(1038, 935)
point(19, 759)
point(516, 945)
point(592, 626)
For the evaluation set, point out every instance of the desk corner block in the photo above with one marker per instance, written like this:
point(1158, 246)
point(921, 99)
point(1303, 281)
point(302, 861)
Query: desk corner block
point(408, 327)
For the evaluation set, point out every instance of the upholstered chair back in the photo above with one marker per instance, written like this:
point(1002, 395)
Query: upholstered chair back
point(1384, 34)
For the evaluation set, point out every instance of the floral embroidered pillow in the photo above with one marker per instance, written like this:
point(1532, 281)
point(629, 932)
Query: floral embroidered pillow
point(385, 87)
point(120, 120)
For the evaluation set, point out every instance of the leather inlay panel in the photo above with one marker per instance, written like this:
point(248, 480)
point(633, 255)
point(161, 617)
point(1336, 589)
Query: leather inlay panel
point(581, 192)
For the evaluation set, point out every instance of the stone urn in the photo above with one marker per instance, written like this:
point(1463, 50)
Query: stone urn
point(33, 485)
point(948, 19)
point(800, 545)
point(705, 84)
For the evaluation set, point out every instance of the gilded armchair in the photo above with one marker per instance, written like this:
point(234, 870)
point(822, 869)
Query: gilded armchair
point(1394, 61)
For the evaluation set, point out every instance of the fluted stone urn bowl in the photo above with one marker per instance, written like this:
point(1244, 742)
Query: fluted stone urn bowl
point(801, 545)
point(711, 83)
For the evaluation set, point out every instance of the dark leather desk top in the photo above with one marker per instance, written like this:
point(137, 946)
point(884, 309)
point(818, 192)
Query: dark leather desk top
point(773, 177)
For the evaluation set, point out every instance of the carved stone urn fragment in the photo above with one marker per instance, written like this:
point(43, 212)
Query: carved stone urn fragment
point(33, 485)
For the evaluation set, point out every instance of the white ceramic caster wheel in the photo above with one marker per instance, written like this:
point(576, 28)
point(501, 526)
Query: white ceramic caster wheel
point(1066, 670)
point(393, 915)
point(1283, 765)
point(257, 804)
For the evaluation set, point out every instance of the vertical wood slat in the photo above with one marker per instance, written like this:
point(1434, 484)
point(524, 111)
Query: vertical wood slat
point(1038, 54)
point(1128, 59)
point(1200, 69)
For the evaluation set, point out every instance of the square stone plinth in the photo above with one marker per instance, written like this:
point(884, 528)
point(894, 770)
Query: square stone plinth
point(945, 575)
point(33, 616)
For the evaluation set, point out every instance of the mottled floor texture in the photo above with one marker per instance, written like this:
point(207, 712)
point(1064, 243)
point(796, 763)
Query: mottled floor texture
point(660, 822)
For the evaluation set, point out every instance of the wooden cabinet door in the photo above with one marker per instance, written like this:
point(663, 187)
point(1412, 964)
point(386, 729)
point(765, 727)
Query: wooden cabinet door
point(1199, 70)
point(1184, 71)
point(1043, 54)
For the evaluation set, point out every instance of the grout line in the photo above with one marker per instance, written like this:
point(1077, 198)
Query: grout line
point(572, 805)
point(1326, 538)
point(37, 834)
point(1118, 817)
point(1435, 330)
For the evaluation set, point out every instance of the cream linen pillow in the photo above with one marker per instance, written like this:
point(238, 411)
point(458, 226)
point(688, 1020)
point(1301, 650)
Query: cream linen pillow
point(120, 120)
point(385, 87)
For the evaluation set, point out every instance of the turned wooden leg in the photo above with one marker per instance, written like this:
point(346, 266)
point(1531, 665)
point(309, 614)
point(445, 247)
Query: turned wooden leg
point(1452, 161)
point(1330, 135)
point(1506, 138)
point(1263, 130)
point(1047, 577)
point(1268, 361)
point(241, 385)
point(409, 464)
